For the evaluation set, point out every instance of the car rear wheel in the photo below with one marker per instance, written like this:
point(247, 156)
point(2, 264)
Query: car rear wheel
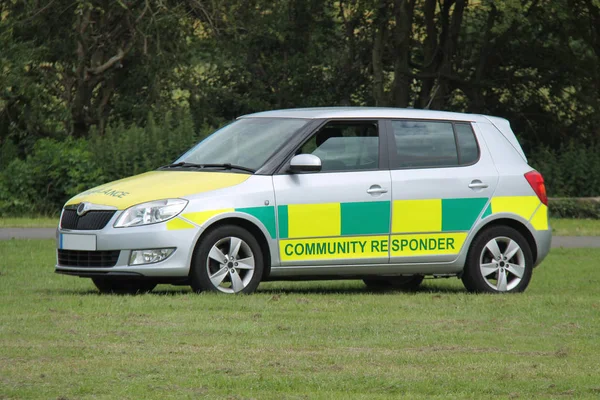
point(404, 283)
point(123, 286)
point(500, 260)
point(228, 260)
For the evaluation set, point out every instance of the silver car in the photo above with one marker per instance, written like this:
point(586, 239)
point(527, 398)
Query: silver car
point(385, 195)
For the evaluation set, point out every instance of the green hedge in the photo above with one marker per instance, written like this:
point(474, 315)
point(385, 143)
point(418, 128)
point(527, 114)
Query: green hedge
point(53, 172)
point(575, 208)
point(56, 170)
point(573, 170)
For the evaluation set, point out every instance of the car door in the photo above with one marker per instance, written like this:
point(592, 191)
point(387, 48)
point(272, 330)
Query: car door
point(442, 181)
point(341, 214)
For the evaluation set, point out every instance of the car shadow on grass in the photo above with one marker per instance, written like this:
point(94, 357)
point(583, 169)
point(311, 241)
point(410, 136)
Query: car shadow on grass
point(426, 289)
point(291, 288)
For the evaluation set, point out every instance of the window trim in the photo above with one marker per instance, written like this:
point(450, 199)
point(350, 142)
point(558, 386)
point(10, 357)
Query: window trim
point(384, 161)
point(393, 149)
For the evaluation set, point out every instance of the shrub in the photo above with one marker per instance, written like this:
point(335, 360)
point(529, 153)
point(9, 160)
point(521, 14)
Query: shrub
point(571, 171)
point(8, 152)
point(58, 169)
point(55, 171)
point(574, 208)
point(130, 150)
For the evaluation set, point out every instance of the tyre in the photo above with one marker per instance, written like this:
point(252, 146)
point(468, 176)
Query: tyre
point(228, 260)
point(499, 260)
point(123, 286)
point(404, 283)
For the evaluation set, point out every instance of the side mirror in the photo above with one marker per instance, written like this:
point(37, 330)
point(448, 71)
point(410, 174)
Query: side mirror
point(305, 163)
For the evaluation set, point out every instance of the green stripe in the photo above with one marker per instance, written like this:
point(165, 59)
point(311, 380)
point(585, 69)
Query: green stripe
point(365, 218)
point(266, 215)
point(460, 214)
point(282, 218)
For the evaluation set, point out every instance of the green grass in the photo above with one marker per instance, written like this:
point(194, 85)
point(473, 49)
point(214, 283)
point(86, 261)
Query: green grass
point(29, 222)
point(575, 227)
point(60, 339)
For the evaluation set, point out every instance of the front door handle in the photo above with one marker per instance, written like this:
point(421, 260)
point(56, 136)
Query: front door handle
point(477, 184)
point(376, 189)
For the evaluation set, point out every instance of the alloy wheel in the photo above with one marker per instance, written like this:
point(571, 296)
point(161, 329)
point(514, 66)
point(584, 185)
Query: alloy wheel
point(230, 264)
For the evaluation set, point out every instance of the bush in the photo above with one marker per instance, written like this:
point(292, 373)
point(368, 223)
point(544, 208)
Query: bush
point(55, 171)
point(130, 150)
point(575, 208)
point(571, 171)
point(59, 169)
point(8, 152)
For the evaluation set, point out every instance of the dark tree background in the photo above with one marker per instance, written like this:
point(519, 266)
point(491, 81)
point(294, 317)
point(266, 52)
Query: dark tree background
point(80, 68)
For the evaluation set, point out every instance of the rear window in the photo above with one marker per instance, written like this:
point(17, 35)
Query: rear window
point(426, 144)
point(468, 151)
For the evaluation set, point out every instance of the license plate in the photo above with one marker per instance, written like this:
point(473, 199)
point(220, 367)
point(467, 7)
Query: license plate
point(69, 241)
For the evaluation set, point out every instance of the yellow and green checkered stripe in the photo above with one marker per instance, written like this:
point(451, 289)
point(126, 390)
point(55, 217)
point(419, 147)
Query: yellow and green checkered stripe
point(373, 218)
point(436, 215)
point(333, 219)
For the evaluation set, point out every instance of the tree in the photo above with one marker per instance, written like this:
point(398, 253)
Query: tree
point(86, 53)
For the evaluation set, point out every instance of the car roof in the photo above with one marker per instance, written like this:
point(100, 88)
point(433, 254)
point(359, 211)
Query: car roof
point(366, 112)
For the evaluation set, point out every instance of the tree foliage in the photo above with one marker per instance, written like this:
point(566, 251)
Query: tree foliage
point(87, 68)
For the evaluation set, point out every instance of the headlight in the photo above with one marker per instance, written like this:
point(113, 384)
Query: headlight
point(152, 212)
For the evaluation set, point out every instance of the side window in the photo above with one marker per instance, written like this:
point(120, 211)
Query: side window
point(467, 144)
point(345, 146)
point(424, 144)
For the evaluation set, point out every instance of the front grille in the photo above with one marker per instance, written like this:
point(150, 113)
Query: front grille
point(79, 258)
point(92, 220)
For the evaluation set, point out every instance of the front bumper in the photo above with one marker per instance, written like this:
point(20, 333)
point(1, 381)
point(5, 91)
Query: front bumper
point(125, 240)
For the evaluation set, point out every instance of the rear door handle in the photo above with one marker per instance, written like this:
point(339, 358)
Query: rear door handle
point(376, 189)
point(477, 184)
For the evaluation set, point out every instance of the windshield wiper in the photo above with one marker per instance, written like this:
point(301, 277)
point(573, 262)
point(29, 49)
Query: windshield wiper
point(202, 166)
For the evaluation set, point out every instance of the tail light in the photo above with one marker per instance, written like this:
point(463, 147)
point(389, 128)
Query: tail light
point(536, 180)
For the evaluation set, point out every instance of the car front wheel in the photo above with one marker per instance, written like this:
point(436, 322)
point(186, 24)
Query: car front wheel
point(228, 260)
point(500, 260)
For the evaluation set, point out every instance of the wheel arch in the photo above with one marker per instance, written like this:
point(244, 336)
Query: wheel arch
point(516, 225)
point(250, 226)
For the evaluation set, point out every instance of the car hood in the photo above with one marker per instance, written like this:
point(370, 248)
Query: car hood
point(157, 185)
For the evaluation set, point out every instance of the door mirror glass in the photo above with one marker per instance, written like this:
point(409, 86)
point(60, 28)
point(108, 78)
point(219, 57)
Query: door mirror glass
point(305, 163)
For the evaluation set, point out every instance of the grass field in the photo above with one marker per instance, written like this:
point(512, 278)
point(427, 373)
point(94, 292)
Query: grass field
point(29, 222)
point(59, 339)
point(575, 227)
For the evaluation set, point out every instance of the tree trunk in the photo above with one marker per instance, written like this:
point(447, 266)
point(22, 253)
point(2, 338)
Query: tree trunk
point(430, 54)
point(380, 28)
point(403, 14)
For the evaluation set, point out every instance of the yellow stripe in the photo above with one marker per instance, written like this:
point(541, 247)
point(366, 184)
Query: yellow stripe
point(540, 218)
point(425, 245)
point(202, 216)
point(314, 220)
point(177, 224)
point(417, 215)
point(523, 206)
point(334, 248)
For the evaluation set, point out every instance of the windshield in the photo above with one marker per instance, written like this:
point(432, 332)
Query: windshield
point(247, 142)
